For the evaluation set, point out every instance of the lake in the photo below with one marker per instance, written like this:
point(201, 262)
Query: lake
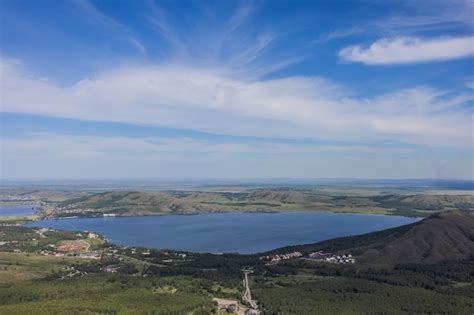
point(228, 232)
point(16, 211)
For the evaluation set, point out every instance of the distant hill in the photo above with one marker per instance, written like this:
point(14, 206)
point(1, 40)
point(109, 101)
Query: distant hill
point(440, 237)
point(439, 200)
point(189, 202)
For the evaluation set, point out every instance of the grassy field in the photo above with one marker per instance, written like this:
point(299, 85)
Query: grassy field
point(18, 220)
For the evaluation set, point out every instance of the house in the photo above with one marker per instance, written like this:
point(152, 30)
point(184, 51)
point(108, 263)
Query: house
point(90, 255)
point(230, 306)
point(92, 235)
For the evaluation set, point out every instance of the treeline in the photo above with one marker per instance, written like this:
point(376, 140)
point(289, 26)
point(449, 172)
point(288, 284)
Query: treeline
point(439, 276)
point(349, 242)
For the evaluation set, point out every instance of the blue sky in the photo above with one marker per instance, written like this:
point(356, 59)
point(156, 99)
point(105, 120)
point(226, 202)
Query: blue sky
point(237, 89)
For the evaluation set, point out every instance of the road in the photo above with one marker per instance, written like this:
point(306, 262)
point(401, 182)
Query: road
point(247, 295)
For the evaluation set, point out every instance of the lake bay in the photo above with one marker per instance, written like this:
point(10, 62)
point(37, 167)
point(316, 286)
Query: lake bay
point(16, 211)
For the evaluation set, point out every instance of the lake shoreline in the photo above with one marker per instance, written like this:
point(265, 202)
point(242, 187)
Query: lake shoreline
point(229, 212)
point(335, 211)
point(243, 233)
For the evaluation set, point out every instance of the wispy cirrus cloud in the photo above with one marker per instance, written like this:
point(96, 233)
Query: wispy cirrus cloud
point(407, 50)
point(229, 41)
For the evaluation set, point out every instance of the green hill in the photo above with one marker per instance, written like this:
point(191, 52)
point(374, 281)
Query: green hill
point(265, 200)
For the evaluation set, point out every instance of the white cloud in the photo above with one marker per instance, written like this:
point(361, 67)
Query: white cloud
point(79, 156)
point(406, 50)
point(212, 100)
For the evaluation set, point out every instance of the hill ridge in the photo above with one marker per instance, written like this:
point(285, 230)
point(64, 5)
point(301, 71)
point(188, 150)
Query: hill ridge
point(440, 237)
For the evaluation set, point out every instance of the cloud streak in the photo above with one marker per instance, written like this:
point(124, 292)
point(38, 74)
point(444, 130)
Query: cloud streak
point(440, 14)
point(43, 144)
point(338, 34)
point(116, 28)
point(408, 50)
point(80, 156)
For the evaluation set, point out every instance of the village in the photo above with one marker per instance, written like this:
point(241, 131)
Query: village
point(331, 258)
point(275, 259)
point(69, 211)
point(318, 256)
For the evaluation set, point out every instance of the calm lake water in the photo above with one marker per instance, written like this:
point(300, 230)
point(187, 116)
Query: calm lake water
point(16, 211)
point(228, 232)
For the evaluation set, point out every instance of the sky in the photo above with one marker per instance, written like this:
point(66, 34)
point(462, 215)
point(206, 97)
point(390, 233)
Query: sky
point(236, 89)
